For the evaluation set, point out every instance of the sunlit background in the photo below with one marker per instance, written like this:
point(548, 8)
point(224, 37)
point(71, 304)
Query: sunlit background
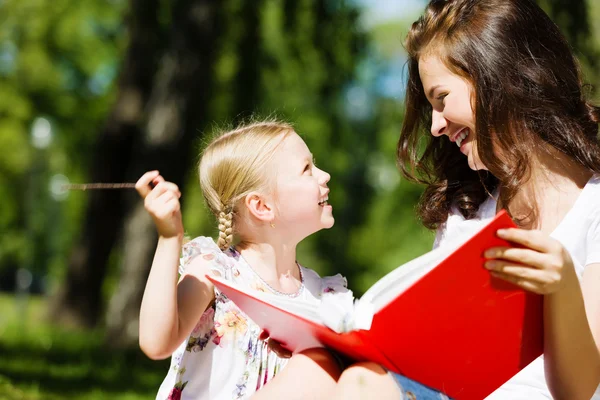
point(102, 90)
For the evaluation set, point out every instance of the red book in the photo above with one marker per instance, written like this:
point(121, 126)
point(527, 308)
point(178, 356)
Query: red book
point(440, 319)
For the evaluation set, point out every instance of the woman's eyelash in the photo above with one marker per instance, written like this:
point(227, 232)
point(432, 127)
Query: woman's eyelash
point(441, 96)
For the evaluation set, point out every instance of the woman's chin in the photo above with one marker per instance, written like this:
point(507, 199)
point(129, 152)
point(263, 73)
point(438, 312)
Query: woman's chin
point(476, 165)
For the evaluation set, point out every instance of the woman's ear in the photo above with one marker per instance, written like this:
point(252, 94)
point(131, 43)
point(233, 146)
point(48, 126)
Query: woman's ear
point(260, 207)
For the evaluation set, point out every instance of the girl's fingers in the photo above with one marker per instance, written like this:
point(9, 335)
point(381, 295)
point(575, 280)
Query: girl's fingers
point(519, 255)
point(172, 204)
point(155, 193)
point(157, 180)
point(143, 184)
point(278, 349)
point(161, 188)
point(535, 240)
point(274, 345)
point(166, 194)
point(165, 205)
point(264, 335)
point(169, 186)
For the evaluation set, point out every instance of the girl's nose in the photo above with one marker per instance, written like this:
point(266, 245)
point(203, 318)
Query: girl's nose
point(438, 124)
point(324, 178)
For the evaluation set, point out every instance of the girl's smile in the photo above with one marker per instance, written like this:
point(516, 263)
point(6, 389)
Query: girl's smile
point(302, 195)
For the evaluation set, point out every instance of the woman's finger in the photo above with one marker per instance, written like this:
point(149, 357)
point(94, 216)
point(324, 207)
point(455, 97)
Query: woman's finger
point(532, 239)
point(520, 282)
point(523, 272)
point(520, 255)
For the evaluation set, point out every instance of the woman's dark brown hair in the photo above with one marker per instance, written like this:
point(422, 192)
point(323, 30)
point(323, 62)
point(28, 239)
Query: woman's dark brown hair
point(527, 93)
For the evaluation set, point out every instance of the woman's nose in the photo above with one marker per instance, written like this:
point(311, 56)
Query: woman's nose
point(438, 124)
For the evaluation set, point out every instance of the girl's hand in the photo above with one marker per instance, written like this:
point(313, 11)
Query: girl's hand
point(274, 345)
point(542, 266)
point(162, 203)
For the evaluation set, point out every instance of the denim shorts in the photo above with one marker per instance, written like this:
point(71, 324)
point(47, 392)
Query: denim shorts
point(412, 390)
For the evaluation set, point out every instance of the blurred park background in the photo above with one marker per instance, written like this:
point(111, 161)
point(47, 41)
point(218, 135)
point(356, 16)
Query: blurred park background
point(103, 90)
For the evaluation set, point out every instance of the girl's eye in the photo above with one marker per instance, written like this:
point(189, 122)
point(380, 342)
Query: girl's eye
point(442, 97)
point(306, 168)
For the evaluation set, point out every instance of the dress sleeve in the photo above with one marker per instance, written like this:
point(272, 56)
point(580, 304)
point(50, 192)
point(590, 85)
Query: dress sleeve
point(317, 285)
point(334, 284)
point(203, 246)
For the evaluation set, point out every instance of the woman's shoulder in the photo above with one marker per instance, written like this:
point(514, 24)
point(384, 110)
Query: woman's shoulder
point(587, 205)
point(591, 207)
point(593, 186)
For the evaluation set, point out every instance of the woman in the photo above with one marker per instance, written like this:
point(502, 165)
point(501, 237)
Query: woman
point(499, 88)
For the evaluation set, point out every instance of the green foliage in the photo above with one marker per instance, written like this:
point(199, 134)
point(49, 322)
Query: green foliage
point(306, 61)
point(57, 60)
point(40, 361)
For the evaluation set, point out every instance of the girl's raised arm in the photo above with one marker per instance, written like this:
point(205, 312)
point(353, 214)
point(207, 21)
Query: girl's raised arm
point(169, 309)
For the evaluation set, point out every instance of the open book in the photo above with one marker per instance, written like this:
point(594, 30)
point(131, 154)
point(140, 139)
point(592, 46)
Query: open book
point(440, 319)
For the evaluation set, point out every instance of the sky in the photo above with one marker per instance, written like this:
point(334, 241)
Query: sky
point(377, 11)
point(382, 74)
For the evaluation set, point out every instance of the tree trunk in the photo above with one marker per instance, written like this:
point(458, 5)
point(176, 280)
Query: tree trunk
point(176, 111)
point(78, 301)
point(249, 53)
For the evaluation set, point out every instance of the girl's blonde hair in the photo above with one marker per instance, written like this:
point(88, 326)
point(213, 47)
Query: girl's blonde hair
point(234, 165)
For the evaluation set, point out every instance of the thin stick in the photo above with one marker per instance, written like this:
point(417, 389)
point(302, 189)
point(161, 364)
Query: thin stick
point(86, 186)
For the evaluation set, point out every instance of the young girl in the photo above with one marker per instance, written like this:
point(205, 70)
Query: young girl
point(496, 84)
point(261, 183)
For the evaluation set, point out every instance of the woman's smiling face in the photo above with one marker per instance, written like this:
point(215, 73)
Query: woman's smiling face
point(452, 114)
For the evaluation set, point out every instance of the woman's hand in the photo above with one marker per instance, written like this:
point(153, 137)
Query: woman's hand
point(542, 265)
point(162, 203)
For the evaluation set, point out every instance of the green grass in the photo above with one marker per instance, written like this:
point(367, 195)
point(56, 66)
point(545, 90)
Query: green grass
point(39, 361)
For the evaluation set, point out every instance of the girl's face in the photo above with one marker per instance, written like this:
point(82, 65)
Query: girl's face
point(301, 191)
point(452, 114)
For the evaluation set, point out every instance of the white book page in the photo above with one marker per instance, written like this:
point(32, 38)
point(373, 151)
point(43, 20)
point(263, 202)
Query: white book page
point(390, 286)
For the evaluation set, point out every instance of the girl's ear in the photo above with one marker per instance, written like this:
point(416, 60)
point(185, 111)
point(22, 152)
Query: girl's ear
point(259, 207)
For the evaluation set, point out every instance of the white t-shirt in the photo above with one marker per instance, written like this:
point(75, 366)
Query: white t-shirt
point(579, 232)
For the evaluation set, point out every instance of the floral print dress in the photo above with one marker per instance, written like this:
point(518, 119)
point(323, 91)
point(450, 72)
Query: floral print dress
point(223, 357)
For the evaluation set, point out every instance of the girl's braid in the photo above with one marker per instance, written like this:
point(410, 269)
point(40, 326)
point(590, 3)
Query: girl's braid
point(225, 228)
